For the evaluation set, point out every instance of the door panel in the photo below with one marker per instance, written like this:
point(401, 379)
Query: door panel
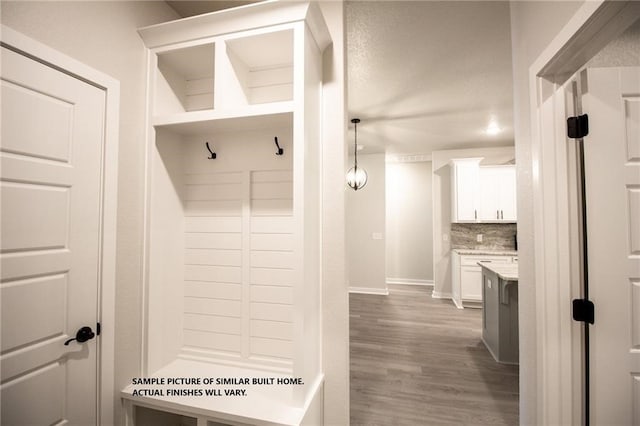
point(612, 169)
point(35, 117)
point(50, 183)
point(38, 216)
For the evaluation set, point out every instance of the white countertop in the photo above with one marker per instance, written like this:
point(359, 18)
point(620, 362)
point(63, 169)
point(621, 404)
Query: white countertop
point(489, 252)
point(506, 271)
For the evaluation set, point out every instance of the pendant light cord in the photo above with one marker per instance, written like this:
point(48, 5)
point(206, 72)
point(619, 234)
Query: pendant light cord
point(355, 147)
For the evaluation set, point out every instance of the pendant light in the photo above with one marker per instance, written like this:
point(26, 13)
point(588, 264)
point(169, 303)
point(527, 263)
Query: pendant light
point(356, 176)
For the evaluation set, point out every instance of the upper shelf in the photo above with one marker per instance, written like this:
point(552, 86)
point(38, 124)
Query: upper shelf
point(251, 117)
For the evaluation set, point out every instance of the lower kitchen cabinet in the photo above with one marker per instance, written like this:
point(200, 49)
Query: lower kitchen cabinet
point(466, 274)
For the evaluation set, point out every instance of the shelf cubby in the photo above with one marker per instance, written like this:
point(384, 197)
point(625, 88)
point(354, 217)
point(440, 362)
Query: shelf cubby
point(255, 69)
point(185, 79)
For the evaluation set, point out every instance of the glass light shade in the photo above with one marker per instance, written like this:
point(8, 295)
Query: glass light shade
point(356, 178)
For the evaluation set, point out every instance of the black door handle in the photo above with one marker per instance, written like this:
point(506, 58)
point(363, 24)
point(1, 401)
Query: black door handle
point(84, 334)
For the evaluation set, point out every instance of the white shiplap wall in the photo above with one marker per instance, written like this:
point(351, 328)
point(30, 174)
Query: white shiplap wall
point(238, 271)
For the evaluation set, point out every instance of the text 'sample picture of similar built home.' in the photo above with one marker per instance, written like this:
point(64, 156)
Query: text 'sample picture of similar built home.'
point(319, 213)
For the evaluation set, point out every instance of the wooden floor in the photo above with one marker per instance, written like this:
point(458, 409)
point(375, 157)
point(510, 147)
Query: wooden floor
point(420, 361)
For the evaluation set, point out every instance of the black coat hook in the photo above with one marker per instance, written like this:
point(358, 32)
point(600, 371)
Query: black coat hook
point(213, 154)
point(280, 150)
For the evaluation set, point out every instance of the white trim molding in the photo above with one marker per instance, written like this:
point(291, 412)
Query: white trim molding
point(107, 272)
point(409, 281)
point(415, 158)
point(441, 295)
point(369, 290)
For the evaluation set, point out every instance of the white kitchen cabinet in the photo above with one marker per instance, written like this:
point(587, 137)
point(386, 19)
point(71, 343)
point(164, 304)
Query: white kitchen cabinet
point(466, 282)
point(497, 194)
point(482, 193)
point(464, 189)
point(232, 267)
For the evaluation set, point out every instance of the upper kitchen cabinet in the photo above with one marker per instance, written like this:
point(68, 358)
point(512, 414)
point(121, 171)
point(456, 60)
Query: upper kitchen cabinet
point(482, 193)
point(464, 189)
point(497, 194)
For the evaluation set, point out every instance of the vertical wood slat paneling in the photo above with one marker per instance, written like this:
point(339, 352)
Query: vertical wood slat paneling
point(277, 277)
point(209, 290)
point(272, 329)
point(272, 259)
point(213, 261)
point(271, 347)
point(271, 273)
point(272, 225)
point(225, 308)
point(213, 241)
point(271, 312)
point(213, 208)
point(213, 224)
point(279, 207)
point(271, 190)
point(238, 258)
point(224, 274)
point(272, 294)
point(213, 324)
point(213, 257)
point(209, 340)
point(271, 242)
point(246, 269)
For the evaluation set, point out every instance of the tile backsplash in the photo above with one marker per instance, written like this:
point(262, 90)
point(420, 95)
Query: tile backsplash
point(495, 236)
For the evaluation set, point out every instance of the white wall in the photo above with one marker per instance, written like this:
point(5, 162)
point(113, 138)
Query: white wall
point(442, 208)
point(365, 216)
point(103, 35)
point(533, 25)
point(409, 224)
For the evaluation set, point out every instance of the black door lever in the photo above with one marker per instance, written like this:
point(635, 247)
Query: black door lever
point(84, 334)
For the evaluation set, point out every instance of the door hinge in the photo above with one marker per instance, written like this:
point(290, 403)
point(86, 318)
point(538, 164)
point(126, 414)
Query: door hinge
point(583, 310)
point(98, 329)
point(578, 127)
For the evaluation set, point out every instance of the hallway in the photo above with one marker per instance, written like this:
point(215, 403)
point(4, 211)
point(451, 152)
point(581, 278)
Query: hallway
point(416, 360)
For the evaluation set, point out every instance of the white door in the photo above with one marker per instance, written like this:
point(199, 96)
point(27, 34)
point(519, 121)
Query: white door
point(50, 182)
point(612, 170)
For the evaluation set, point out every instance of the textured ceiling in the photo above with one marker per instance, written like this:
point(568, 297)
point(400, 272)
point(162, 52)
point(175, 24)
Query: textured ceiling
point(425, 75)
point(422, 75)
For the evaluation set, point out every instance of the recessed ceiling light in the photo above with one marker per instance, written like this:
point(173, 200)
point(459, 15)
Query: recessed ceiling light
point(492, 128)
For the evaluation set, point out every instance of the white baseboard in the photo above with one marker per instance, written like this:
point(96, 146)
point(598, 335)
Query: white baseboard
point(441, 295)
point(409, 281)
point(455, 302)
point(369, 290)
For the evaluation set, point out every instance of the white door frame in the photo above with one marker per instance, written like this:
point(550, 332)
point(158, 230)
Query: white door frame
point(559, 391)
point(109, 181)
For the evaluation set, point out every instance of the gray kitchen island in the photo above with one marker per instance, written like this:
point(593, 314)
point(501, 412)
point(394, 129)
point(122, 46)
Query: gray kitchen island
point(500, 310)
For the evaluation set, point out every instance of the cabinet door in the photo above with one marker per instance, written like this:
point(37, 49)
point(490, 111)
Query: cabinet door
point(497, 194)
point(471, 282)
point(489, 194)
point(508, 194)
point(464, 186)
